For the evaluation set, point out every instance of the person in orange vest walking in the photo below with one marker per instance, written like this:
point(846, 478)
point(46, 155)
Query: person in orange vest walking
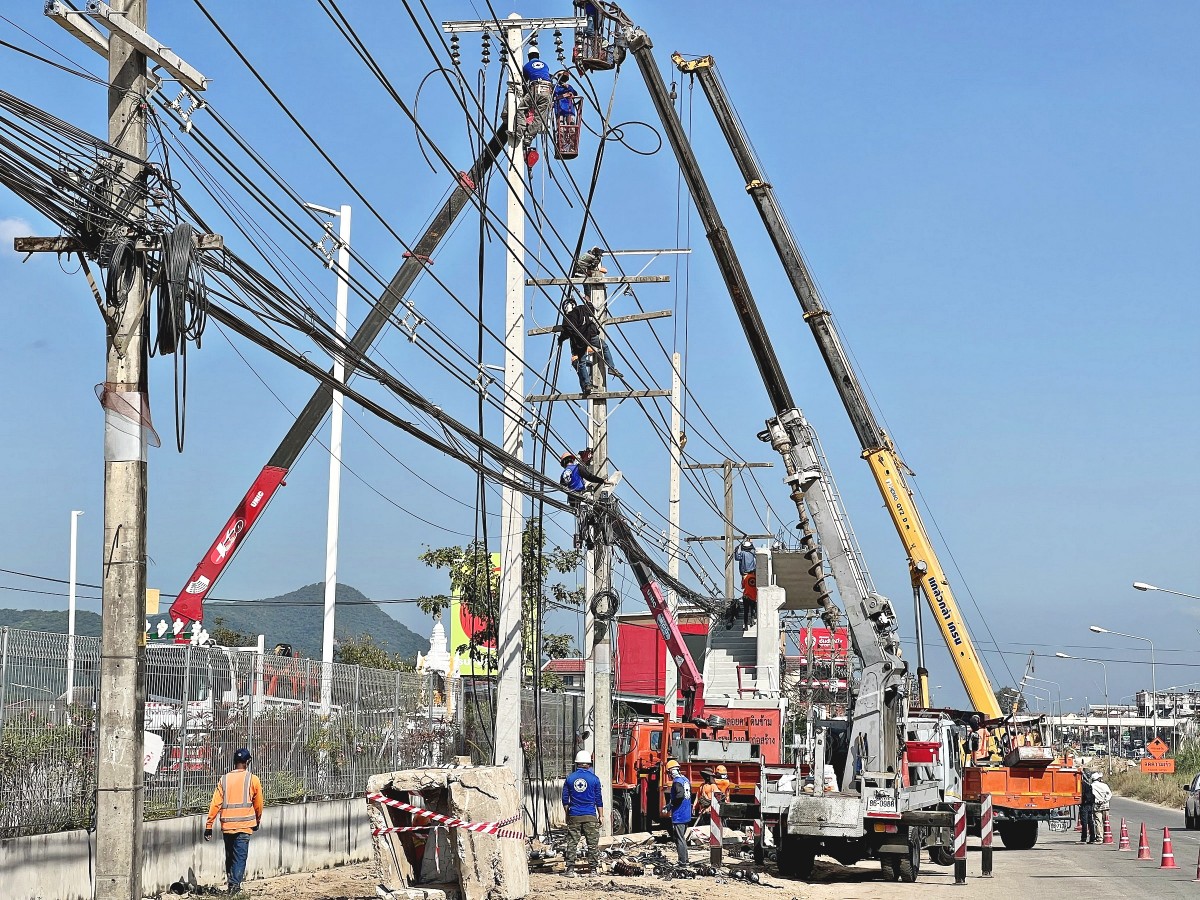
point(238, 800)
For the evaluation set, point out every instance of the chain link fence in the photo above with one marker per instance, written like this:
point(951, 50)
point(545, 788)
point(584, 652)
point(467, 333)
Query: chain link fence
point(312, 737)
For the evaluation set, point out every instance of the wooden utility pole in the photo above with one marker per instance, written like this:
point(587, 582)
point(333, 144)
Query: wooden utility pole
point(120, 744)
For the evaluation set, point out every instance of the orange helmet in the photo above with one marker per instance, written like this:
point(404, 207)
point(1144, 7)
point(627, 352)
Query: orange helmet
point(722, 771)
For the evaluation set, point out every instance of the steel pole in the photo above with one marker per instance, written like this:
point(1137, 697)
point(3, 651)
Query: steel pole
point(670, 670)
point(75, 514)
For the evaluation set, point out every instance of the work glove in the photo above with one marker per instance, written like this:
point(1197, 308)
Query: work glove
point(208, 834)
point(255, 828)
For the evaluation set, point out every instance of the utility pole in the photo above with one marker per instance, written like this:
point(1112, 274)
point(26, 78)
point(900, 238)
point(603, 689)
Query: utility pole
point(335, 447)
point(121, 746)
point(727, 467)
point(509, 655)
point(598, 578)
point(670, 670)
point(75, 514)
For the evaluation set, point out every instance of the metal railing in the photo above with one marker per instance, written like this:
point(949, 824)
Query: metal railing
point(203, 703)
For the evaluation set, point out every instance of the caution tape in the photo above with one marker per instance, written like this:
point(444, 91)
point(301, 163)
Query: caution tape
point(493, 828)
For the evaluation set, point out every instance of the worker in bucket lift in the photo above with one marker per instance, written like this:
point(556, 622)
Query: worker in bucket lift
point(564, 98)
point(747, 561)
point(590, 11)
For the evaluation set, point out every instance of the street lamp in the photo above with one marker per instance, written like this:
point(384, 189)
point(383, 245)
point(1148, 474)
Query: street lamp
point(1142, 586)
point(1038, 700)
point(1058, 689)
point(1153, 682)
point(1107, 708)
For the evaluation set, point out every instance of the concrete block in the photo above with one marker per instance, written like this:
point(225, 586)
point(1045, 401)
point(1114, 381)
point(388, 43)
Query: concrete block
point(477, 866)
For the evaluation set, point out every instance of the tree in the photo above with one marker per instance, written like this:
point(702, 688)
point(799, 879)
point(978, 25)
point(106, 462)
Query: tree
point(476, 582)
point(228, 637)
point(361, 650)
point(1006, 696)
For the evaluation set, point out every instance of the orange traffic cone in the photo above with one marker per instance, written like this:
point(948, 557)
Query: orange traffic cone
point(1107, 829)
point(1168, 855)
point(1143, 845)
point(1078, 823)
point(1124, 845)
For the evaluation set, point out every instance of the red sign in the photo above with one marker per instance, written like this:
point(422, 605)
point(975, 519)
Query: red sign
point(825, 645)
point(1158, 766)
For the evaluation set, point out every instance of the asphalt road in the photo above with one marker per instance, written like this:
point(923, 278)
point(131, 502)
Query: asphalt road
point(1058, 867)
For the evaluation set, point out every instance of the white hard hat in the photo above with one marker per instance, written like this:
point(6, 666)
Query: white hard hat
point(583, 758)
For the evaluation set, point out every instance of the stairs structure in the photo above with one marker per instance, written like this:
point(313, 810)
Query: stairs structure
point(726, 650)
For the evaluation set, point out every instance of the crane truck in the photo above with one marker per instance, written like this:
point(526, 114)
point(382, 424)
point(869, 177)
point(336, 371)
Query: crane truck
point(1030, 785)
point(889, 787)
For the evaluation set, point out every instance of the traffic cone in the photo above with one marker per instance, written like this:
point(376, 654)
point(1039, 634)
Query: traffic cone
point(1078, 823)
point(1108, 839)
point(1143, 845)
point(1124, 845)
point(1168, 855)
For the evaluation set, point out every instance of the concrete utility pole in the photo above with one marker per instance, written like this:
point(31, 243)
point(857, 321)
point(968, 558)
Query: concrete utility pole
point(75, 514)
point(509, 656)
point(727, 466)
point(120, 744)
point(670, 670)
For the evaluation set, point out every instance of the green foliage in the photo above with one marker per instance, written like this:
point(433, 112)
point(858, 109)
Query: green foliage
point(474, 580)
point(363, 651)
point(227, 637)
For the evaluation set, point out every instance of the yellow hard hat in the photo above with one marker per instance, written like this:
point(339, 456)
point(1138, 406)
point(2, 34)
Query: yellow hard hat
point(672, 764)
point(722, 771)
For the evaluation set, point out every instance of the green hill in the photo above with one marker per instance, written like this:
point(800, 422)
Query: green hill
point(294, 618)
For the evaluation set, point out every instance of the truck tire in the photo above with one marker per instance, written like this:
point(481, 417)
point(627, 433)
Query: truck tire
point(908, 866)
point(1018, 835)
point(796, 856)
point(760, 852)
point(941, 856)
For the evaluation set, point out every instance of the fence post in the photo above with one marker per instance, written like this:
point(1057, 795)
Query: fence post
point(183, 727)
point(306, 722)
point(3, 674)
point(354, 732)
point(396, 726)
point(250, 715)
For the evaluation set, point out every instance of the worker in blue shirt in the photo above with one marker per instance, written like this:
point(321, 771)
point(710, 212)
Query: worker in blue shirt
point(535, 105)
point(679, 808)
point(747, 561)
point(583, 804)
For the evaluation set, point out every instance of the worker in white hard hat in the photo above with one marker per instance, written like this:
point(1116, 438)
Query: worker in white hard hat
point(583, 803)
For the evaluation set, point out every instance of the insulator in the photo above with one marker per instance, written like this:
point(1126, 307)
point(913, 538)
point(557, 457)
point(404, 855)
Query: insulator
point(674, 95)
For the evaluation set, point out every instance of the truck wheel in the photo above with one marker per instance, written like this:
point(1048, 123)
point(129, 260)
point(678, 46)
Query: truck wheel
point(941, 856)
point(890, 865)
point(908, 866)
point(796, 857)
point(1019, 835)
point(760, 852)
point(618, 819)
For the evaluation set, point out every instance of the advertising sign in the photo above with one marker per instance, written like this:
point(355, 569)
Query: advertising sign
point(463, 627)
point(825, 645)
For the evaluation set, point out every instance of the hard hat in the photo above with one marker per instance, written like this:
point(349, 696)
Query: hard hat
point(672, 764)
point(707, 772)
point(722, 771)
point(583, 758)
point(585, 453)
point(1096, 776)
point(241, 756)
point(534, 51)
point(747, 544)
point(566, 458)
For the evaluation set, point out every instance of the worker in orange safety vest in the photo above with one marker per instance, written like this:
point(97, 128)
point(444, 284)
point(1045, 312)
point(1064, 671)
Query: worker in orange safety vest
point(238, 800)
point(723, 783)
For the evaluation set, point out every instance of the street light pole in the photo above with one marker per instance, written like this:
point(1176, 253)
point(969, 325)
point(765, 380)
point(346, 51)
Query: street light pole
point(1058, 688)
point(1153, 679)
point(1107, 708)
point(1142, 586)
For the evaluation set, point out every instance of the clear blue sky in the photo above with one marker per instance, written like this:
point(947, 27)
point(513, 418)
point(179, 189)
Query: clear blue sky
point(1001, 204)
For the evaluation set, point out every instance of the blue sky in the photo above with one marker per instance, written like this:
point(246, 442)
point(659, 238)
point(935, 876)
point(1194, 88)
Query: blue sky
point(1000, 202)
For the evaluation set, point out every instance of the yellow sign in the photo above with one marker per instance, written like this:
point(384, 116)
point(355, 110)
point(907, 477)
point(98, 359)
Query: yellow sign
point(1157, 748)
point(1158, 766)
point(463, 626)
point(152, 595)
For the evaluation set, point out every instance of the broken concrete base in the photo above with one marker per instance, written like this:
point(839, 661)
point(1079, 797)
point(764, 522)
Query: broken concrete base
point(448, 863)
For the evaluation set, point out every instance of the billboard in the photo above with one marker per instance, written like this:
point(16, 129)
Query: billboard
point(463, 626)
point(825, 645)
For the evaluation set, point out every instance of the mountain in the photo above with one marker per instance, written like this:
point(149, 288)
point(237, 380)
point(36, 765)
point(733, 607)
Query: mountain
point(294, 618)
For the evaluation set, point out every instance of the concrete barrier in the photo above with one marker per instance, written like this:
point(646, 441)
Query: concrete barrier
point(304, 837)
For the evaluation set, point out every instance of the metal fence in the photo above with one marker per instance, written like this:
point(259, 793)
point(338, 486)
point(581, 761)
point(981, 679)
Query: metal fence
point(202, 704)
point(310, 740)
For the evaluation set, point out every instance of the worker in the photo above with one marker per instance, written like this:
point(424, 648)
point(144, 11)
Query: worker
point(238, 800)
point(982, 743)
point(583, 806)
point(704, 798)
point(1087, 811)
point(538, 81)
point(590, 11)
point(581, 328)
point(564, 98)
point(747, 562)
point(1102, 794)
point(724, 785)
point(679, 808)
point(577, 479)
point(535, 104)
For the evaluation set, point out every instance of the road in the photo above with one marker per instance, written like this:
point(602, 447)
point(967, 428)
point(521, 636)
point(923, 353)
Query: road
point(1058, 866)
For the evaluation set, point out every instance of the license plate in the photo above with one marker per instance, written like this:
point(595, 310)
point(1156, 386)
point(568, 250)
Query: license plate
point(1060, 824)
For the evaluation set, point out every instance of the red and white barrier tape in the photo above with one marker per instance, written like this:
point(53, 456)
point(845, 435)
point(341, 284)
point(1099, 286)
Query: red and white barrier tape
point(493, 828)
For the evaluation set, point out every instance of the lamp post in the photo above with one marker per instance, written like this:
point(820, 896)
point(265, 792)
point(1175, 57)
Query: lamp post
point(1142, 586)
point(75, 514)
point(1058, 690)
point(335, 445)
point(1107, 708)
point(1038, 700)
point(1153, 681)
